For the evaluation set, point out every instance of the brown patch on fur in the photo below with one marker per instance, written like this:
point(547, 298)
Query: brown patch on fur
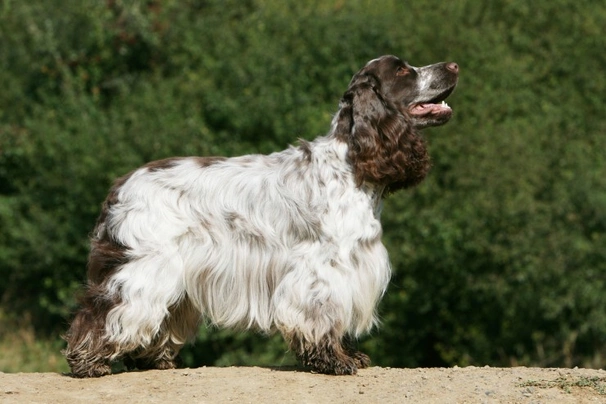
point(244, 230)
point(111, 199)
point(305, 147)
point(207, 161)
point(170, 162)
point(344, 119)
point(329, 356)
point(106, 253)
point(384, 148)
point(106, 256)
point(163, 164)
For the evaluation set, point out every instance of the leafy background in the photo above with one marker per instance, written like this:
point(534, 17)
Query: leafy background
point(499, 256)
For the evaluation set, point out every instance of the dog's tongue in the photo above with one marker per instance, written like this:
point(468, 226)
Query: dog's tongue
point(424, 109)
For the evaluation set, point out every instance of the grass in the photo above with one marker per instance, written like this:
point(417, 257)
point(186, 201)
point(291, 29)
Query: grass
point(22, 351)
point(598, 384)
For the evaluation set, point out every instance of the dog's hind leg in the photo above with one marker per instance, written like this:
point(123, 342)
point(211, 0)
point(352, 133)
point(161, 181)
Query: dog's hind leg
point(180, 327)
point(143, 324)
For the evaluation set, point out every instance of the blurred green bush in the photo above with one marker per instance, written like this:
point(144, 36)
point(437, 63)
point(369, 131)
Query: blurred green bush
point(498, 256)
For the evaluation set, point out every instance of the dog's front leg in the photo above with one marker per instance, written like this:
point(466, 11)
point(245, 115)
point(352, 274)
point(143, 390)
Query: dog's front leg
point(327, 355)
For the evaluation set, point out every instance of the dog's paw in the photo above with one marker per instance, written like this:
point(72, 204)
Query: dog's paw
point(91, 370)
point(361, 360)
point(161, 363)
point(345, 369)
point(341, 366)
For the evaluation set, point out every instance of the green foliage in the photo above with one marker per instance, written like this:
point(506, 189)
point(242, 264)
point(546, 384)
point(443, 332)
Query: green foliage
point(22, 351)
point(502, 259)
point(498, 256)
point(566, 383)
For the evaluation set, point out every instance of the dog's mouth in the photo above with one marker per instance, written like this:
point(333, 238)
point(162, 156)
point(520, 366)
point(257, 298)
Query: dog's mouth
point(424, 109)
point(435, 107)
point(433, 112)
point(431, 108)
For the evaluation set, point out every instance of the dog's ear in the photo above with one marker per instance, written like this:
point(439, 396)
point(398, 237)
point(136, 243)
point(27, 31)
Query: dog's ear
point(383, 146)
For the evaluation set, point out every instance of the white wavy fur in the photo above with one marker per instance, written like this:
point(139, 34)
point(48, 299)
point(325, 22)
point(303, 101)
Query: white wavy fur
point(256, 241)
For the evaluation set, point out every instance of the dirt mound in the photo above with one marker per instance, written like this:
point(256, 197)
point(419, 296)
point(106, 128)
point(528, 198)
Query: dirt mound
point(273, 385)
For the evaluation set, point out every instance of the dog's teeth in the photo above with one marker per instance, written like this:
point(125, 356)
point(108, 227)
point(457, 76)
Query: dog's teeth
point(444, 104)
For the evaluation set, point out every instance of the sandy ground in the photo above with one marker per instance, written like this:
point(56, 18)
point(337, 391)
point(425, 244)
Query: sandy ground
point(286, 385)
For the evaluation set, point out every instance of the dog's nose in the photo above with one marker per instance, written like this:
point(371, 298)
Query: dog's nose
point(453, 67)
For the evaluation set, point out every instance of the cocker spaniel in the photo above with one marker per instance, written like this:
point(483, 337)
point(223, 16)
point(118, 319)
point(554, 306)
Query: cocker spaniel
point(289, 241)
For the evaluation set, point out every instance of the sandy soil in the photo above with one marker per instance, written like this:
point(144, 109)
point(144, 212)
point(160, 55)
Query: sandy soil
point(280, 385)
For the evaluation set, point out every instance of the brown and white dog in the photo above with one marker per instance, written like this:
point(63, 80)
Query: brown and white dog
point(289, 241)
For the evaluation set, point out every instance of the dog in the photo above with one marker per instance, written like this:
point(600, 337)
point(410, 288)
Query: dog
point(287, 242)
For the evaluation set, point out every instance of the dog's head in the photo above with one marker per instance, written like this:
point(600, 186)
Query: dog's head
point(386, 102)
point(418, 91)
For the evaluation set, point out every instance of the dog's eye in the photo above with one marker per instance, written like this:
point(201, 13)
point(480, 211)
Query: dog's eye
point(402, 71)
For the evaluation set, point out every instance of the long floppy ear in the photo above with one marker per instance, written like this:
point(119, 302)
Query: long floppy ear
point(384, 149)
